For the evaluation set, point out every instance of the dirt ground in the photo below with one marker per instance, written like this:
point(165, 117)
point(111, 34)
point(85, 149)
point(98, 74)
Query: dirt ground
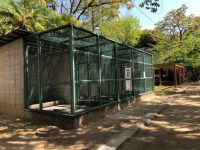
point(176, 128)
point(17, 134)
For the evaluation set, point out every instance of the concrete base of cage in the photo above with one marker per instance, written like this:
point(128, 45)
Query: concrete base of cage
point(68, 121)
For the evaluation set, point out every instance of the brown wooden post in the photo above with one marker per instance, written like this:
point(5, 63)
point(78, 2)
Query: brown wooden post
point(182, 75)
point(179, 76)
point(160, 80)
point(175, 76)
point(154, 78)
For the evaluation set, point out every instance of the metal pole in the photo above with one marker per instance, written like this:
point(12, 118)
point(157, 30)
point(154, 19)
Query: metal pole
point(77, 80)
point(99, 69)
point(132, 72)
point(88, 78)
point(144, 73)
point(153, 75)
point(25, 54)
point(116, 73)
point(72, 72)
point(39, 71)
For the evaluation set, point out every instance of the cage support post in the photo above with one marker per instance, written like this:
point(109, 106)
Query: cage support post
point(25, 68)
point(39, 71)
point(99, 70)
point(88, 78)
point(72, 71)
point(144, 73)
point(116, 73)
point(153, 75)
point(132, 72)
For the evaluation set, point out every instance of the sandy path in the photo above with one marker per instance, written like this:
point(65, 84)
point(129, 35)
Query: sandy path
point(177, 128)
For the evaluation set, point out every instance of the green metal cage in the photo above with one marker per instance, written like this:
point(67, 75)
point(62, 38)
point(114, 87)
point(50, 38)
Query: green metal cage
point(71, 70)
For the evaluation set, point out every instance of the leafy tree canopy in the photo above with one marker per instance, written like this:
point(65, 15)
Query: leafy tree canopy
point(27, 14)
point(182, 42)
point(31, 15)
point(150, 38)
point(123, 29)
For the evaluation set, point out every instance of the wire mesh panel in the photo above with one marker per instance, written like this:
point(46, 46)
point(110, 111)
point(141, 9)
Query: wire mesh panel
point(86, 69)
point(125, 78)
point(59, 93)
point(108, 71)
point(55, 68)
point(149, 84)
point(139, 85)
point(148, 58)
point(138, 56)
point(148, 72)
point(108, 82)
point(138, 70)
point(31, 69)
point(48, 69)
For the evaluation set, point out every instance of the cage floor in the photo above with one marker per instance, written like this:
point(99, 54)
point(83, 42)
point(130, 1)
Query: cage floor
point(65, 108)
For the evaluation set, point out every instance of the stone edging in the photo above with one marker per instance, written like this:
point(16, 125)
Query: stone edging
point(114, 143)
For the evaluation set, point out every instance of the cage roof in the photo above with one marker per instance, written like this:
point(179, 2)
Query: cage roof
point(13, 35)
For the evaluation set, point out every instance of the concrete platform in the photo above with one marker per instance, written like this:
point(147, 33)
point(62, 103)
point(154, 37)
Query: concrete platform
point(69, 121)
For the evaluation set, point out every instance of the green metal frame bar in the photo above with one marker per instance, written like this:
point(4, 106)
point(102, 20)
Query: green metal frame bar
point(116, 73)
point(88, 77)
point(39, 71)
point(72, 72)
point(25, 56)
point(77, 77)
point(144, 72)
point(99, 70)
point(152, 73)
point(132, 73)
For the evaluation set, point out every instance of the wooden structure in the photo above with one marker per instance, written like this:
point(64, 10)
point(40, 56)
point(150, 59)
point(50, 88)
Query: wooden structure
point(169, 74)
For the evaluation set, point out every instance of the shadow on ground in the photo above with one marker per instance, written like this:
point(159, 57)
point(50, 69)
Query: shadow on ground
point(177, 128)
point(16, 134)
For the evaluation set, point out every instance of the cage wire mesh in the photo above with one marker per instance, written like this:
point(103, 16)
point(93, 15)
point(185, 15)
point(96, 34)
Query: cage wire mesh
point(104, 71)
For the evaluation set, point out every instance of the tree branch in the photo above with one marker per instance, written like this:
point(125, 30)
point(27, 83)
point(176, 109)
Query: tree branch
point(84, 9)
point(71, 6)
point(95, 5)
point(77, 6)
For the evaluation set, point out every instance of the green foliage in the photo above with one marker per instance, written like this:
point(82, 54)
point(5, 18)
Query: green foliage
point(31, 15)
point(151, 5)
point(176, 24)
point(150, 38)
point(81, 9)
point(27, 14)
point(57, 20)
point(123, 29)
point(91, 12)
point(182, 42)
